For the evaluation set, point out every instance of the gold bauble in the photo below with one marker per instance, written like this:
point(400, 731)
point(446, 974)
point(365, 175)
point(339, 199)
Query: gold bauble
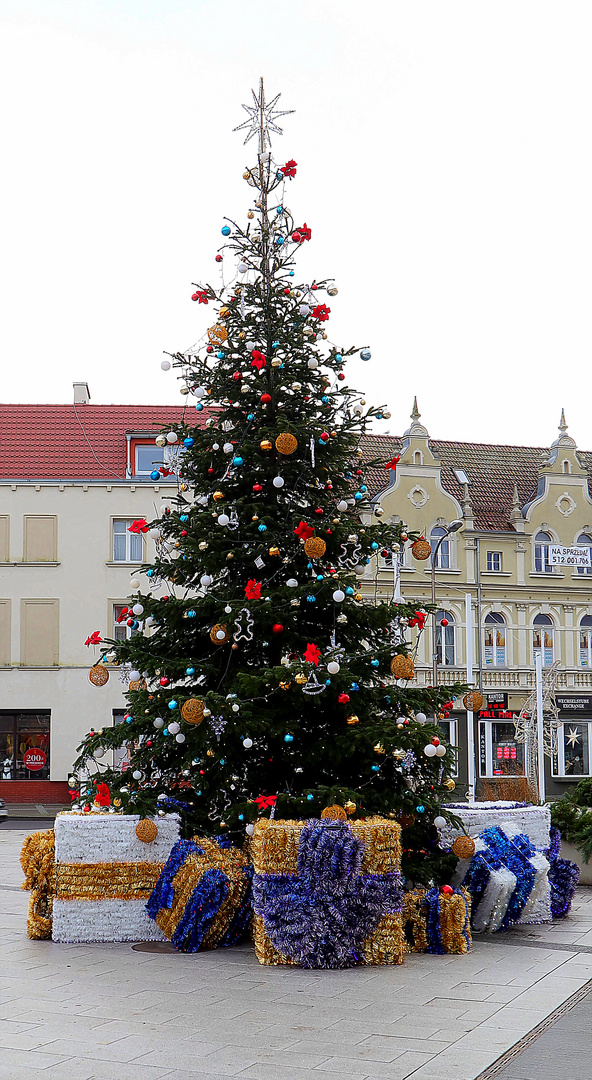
point(350, 807)
point(286, 443)
point(358, 596)
point(463, 847)
point(146, 831)
point(449, 784)
point(250, 215)
point(218, 495)
point(116, 802)
point(224, 311)
point(315, 547)
point(473, 701)
point(379, 748)
point(335, 813)
point(192, 710)
point(246, 176)
point(219, 634)
point(300, 678)
point(402, 667)
point(353, 719)
point(266, 444)
point(98, 675)
point(274, 551)
point(210, 753)
point(284, 685)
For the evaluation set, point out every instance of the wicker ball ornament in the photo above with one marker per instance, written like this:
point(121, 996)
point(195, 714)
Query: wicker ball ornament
point(335, 813)
point(219, 634)
point(217, 334)
point(286, 443)
point(146, 831)
point(473, 701)
point(192, 710)
point(402, 667)
point(98, 675)
point(138, 684)
point(463, 847)
point(421, 550)
point(315, 547)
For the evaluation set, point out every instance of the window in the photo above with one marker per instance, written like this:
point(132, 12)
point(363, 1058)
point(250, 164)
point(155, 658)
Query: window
point(541, 553)
point(121, 631)
point(586, 641)
point(495, 639)
point(573, 749)
point(449, 732)
point(585, 541)
point(39, 633)
point(445, 638)
point(121, 754)
point(443, 556)
point(40, 539)
point(147, 456)
point(418, 457)
point(127, 546)
point(24, 745)
point(494, 560)
point(499, 752)
point(542, 638)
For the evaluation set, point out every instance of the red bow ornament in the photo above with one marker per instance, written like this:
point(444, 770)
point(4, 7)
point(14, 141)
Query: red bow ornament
point(258, 360)
point(201, 295)
point(392, 464)
point(103, 795)
point(304, 231)
point(124, 614)
point(312, 654)
point(94, 639)
point(265, 802)
point(303, 531)
point(321, 312)
point(253, 589)
point(138, 526)
point(418, 619)
point(289, 169)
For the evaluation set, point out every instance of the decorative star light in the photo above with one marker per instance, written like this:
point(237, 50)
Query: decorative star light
point(573, 736)
point(262, 119)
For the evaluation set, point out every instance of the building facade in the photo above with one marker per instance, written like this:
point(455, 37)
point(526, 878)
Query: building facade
point(515, 504)
point(73, 479)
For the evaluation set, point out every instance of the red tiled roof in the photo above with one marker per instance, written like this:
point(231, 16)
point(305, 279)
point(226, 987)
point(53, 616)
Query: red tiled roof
point(86, 442)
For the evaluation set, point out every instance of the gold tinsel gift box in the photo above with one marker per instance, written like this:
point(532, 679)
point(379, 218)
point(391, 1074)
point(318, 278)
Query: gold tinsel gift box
point(106, 866)
point(327, 893)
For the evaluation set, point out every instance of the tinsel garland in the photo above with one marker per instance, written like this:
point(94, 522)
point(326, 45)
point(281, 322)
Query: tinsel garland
point(202, 897)
point(564, 876)
point(38, 862)
point(438, 922)
point(321, 915)
point(106, 881)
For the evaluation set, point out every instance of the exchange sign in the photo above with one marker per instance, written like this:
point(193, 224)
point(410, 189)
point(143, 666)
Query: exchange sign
point(579, 555)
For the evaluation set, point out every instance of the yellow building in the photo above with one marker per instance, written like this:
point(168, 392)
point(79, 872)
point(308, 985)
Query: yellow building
point(515, 503)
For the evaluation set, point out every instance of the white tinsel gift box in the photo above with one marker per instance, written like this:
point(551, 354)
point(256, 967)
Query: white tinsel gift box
point(513, 819)
point(105, 874)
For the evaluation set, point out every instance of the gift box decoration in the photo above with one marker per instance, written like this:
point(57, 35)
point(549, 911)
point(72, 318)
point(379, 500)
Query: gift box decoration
point(105, 873)
point(328, 893)
point(564, 876)
point(438, 920)
point(38, 863)
point(508, 880)
point(202, 899)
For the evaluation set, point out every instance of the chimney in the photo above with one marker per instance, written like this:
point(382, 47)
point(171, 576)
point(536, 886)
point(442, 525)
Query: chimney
point(81, 393)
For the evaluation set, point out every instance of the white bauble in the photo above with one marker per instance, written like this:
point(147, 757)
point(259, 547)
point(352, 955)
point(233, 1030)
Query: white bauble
point(165, 365)
point(339, 596)
point(440, 822)
point(220, 635)
point(160, 440)
point(138, 609)
point(158, 723)
point(247, 743)
point(292, 583)
point(421, 718)
point(440, 751)
point(134, 676)
point(172, 437)
point(342, 506)
point(242, 268)
point(360, 569)
point(235, 707)
point(154, 534)
point(228, 448)
point(180, 737)
point(223, 519)
point(313, 364)
point(250, 829)
point(304, 309)
point(278, 481)
point(333, 667)
point(137, 775)
point(205, 580)
point(174, 727)
point(99, 752)
point(200, 391)
point(135, 583)
point(429, 750)
point(251, 345)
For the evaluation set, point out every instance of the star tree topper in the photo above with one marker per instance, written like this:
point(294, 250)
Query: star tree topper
point(262, 118)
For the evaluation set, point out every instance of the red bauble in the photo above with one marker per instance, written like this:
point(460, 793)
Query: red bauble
point(446, 890)
point(314, 286)
point(218, 258)
point(296, 237)
point(265, 399)
point(149, 743)
point(435, 741)
point(277, 628)
point(209, 348)
point(444, 622)
point(343, 699)
point(257, 487)
point(324, 436)
point(319, 510)
point(287, 292)
point(183, 532)
point(164, 680)
point(341, 376)
point(237, 376)
point(130, 622)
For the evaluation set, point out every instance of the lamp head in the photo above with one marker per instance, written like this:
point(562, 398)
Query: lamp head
point(454, 526)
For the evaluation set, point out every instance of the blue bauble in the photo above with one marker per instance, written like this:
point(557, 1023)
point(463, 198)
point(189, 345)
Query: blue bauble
point(420, 809)
point(279, 175)
point(129, 719)
point(165, 731)
point(325, 399)
point(363, 488)
point(279, 240)
point(241, 817)
point(221, 354)
point(311, 599)
point(374, 545)
point(225, 230)
point(354, 686)
point(275, 344)
point(155, 475)
point(291, 273)
point(237, 461)
point(251, 416)
point(262, 527)
point(198, 406)
point(190, 671)
point(349, 591)
point(149, 573)
point(310, 797)
point(172, 704)
point(358, 496)
point(327, 682)
point(279, 209)
point(319, 577)
point(191, 614)
point(188, 442)
point(184, 517)
point(375, 663)
point(375, 768)
point(222, 761)
point(288, 738)
point(387, 700)
point(365, 354)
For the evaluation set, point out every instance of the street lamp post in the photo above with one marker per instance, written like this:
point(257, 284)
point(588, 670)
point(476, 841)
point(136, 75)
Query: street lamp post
point(452, 527)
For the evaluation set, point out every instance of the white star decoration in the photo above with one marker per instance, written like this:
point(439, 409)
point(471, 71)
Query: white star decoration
point(573, 736)
point(263, 118)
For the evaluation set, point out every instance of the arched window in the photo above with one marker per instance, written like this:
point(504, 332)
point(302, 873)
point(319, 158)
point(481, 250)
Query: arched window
point(418, 457)
point(586, 641)
point(495, 639)
point(566, 467)
point(542, 638)
point(443, 556)
point(541, 553)
point(445, 638)
point(585, 541)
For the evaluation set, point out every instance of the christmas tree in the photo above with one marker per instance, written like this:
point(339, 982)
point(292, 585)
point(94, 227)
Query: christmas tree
point(260, 681)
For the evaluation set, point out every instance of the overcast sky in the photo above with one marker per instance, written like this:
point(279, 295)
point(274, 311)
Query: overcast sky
point(444, 165)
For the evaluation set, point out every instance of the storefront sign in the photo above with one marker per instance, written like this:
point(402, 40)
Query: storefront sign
point(34, 759)
point(579, 555)
point(498, 699)
point(574, 703)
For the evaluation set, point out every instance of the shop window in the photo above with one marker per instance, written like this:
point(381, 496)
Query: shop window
point(585, 541)
point(573, 749)
point(445, 638)
point(495, 639)
point(494, 561)
point(127, 546)
point(542, 565)
point(24, 745)
point(542, 638)
point(449, 732)
point(499, 752)
point(586, 641)
point(443, 556)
